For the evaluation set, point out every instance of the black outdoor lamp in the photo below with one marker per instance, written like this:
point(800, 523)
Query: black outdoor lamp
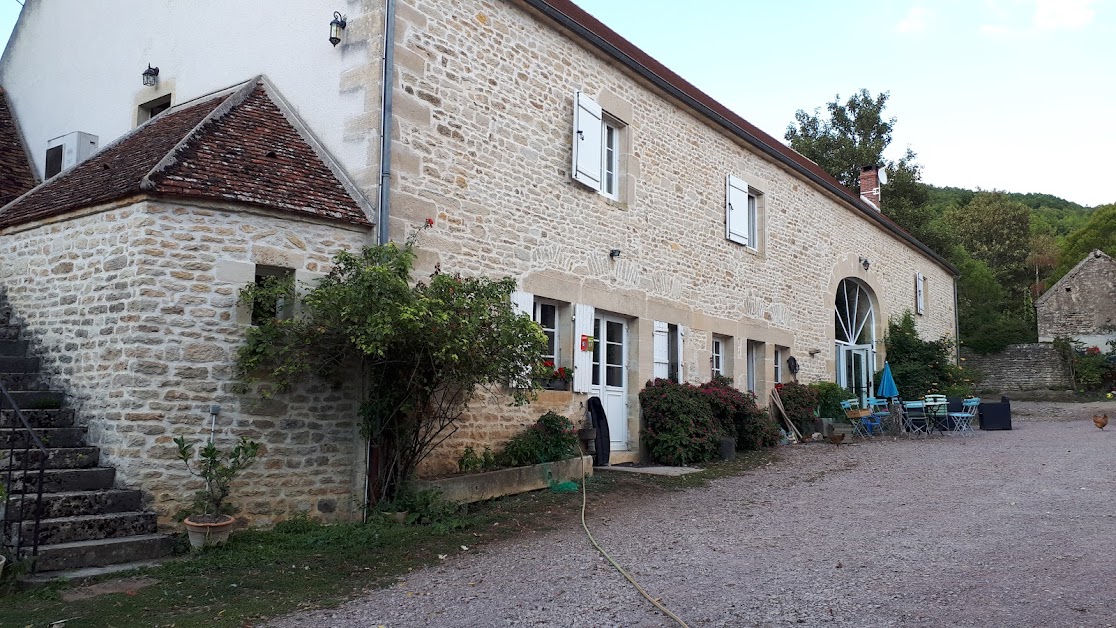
point(150, 76)
point(864, 261)
point(335, 28)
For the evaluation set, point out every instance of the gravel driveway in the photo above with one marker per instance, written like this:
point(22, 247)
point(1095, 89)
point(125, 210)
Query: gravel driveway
point(997, 529)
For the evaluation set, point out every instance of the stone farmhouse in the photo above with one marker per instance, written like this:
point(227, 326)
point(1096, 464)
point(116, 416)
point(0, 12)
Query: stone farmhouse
point(1082, 304)
point(189, 148)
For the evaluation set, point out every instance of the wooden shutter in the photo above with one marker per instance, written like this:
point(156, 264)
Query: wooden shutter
point(920, 294)
point(587, 148)
point(583, 360)
point(661, 347)
point(736, 211)
point(523, 302)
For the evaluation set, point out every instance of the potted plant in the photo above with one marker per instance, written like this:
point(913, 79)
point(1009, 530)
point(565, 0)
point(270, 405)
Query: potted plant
point(210, 519)
point(555, 378)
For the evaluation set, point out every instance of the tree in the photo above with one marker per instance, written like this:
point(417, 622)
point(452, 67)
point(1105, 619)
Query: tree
point(854, 135)
point(919, 366)
point(419, 351)
point(996, 230)
point(987, 318)
point(1098, 233)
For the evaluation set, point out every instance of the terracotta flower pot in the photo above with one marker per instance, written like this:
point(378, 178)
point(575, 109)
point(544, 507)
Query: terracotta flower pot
point(208, 533)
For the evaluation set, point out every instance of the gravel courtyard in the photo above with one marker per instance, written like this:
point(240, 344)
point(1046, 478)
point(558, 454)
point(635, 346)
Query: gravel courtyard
point(997, 529)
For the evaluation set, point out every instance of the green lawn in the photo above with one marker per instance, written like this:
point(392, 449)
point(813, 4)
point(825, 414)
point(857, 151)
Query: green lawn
point(301, 564)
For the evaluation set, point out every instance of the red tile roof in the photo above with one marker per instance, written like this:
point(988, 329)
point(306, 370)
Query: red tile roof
point(16, 174)
point(239, 148)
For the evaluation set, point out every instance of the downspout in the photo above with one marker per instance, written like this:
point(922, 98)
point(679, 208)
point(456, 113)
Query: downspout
point(956, 323)
point(387, 80)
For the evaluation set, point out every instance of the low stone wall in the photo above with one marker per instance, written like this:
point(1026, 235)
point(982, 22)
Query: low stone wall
point(1035, 366)
point(475, 487)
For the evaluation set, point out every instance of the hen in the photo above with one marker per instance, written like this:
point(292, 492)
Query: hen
point(1100, 420)
point(837, 439)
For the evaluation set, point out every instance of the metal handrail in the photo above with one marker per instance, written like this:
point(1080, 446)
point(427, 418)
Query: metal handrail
point(13, 523)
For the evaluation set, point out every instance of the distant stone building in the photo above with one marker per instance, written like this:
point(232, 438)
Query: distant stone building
point(1082, 305)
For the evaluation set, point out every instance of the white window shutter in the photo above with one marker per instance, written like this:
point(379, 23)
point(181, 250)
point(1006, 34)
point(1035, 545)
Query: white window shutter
point(736, 210)
point(523, 302)
point(661, 349)
point(681, 365)
point(920, 296)
point(583, 360)
point(587, 141)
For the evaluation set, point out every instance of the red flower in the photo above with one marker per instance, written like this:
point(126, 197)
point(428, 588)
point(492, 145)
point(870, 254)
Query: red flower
point(549, 364)
point(429, 222)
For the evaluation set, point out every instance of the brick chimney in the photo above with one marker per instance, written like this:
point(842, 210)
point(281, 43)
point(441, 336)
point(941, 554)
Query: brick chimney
point(870, 186)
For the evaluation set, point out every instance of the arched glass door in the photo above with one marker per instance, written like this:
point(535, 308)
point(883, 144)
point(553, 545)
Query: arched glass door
point(855, 334)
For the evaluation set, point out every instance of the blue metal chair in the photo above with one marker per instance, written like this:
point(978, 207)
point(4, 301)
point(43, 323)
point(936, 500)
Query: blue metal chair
point(853, 413)
point(915, 420)
point(963, 421)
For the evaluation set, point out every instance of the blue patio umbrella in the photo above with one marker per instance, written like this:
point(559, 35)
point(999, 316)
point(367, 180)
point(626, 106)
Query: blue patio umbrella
point(886, 386)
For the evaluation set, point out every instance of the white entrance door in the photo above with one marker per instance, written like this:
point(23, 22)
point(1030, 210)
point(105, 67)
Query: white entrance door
point(854, 370)
point(610, 375)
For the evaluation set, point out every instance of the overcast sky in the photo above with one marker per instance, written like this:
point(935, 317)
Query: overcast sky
point(996, 94)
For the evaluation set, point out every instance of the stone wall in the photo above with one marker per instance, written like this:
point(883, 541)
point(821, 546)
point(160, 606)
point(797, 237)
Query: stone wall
point(134, 311)
point(1036, 366)
point(1082, 305)
point(484, 104)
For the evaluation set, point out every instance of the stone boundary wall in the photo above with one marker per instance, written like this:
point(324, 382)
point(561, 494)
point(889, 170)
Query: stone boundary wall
point(133, 310)
point(1035, 366)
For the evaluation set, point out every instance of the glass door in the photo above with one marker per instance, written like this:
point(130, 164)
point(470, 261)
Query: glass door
point(610, 375)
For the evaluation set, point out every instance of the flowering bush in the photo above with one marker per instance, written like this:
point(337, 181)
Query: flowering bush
point(739, 415)
point(679, 427)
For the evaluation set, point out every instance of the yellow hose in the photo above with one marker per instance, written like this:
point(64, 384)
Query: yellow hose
point(600, 549)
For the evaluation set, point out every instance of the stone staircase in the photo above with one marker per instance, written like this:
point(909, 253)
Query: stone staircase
point(85, 521)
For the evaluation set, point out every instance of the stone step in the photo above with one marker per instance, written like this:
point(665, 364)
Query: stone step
point(38, 399)
point(72, 503)
point(57, 458)
point(63, 417)
point(58, 480)
point(102, 552)
point(52, 437)
point(9, 332)
point(13, 348)
point(90, 527)
point(19, 365)
point(16, 382)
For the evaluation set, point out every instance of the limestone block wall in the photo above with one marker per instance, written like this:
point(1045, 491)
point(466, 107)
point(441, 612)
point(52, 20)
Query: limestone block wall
point(482, 143)
point(1035, 366)
point(1083, 304)
point(134, 310)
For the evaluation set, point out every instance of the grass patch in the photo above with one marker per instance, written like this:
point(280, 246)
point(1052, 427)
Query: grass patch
point(302, 564)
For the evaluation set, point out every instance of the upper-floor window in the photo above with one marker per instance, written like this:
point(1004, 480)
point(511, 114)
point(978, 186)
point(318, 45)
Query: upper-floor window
point(743, 206)
point(596, 147)
point(920, 293)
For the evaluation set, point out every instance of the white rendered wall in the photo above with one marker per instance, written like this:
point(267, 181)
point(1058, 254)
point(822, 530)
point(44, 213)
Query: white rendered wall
point(75, 65)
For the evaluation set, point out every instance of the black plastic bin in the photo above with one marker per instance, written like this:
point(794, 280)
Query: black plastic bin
point(995, 415)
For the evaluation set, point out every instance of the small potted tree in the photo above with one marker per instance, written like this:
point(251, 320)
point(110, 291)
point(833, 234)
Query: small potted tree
point(210, 518)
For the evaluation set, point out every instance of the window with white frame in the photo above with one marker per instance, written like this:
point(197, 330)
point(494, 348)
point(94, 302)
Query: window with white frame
point(743, 206)
point(754, 361)
point(596, 147)
point(920, 294)
point(717, 357)
point(546, 315)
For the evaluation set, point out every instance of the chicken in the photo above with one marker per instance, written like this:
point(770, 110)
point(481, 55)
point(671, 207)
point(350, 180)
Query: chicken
point(837, 439)
point(1100, 420)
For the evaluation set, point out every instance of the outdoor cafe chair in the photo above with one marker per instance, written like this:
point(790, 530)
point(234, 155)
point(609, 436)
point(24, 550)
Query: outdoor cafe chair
point(856, 417)
point(880, 411)
point(915, 420)
point(963, 421)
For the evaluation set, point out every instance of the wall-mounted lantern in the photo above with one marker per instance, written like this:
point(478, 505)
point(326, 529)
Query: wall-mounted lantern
point(336, 26)
point(865, 262)
point(150, 76)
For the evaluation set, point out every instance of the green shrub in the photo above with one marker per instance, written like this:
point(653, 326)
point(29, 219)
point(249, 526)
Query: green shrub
point(738, 415)
point(919, 366)
point(799, 402)
point(550, 439)
point(679, 427)
point(470, 462)
point(424, 507)
point(830, 396)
